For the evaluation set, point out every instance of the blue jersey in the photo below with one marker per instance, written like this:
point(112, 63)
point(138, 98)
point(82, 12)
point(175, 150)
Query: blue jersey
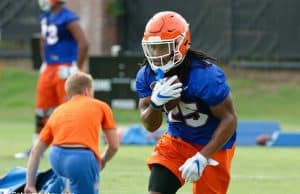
point(59, 45)
point(192, 119)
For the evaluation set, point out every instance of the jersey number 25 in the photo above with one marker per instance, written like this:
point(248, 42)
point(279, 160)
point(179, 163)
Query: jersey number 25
point(189, 114)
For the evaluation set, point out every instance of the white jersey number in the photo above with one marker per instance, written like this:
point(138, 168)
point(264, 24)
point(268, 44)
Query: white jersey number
point(49, 32)
point(189, 114)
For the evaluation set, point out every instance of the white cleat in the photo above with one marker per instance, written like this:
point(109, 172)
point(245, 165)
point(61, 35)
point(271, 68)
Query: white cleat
point(22, 155)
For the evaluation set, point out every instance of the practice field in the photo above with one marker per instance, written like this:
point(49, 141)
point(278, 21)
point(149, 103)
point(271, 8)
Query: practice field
point(255, 170)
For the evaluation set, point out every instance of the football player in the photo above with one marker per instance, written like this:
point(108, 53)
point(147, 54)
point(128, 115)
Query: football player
point(64, 49)
point(199, 144)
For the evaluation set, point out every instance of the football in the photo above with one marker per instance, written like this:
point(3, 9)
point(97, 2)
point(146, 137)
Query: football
point(263, 139)
point(171, 104)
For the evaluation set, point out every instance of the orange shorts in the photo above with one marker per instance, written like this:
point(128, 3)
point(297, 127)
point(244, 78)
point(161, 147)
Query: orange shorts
point(50, 88)
point(173, 152)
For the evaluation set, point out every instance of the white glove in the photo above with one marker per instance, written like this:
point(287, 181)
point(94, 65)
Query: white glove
point(65, 71)
point(43, 67)
point(193, 167)
point(166, 90)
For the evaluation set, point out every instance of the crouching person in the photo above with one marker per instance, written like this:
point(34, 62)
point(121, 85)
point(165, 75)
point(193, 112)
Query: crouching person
point(73, 132)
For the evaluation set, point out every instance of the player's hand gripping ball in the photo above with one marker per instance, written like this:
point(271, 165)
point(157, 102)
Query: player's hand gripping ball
point(171, 104)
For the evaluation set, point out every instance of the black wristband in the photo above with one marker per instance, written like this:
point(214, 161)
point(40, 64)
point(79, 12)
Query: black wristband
point(154, 106)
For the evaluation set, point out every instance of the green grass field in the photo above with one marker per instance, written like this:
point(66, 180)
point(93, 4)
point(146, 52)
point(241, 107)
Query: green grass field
point(255, 170)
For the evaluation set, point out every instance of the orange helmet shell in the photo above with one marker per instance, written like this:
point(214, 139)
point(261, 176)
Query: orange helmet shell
point(169, 26)
point(56, 1)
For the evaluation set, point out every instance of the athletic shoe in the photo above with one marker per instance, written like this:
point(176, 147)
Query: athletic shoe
point(22, 155)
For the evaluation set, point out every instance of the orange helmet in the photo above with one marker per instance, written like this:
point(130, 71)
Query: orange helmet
point(46, 5)
point(166, 40)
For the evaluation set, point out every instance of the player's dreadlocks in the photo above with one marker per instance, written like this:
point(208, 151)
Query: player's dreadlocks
point(183, 69)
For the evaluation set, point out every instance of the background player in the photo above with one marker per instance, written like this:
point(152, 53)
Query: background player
point(64, 50)
point(73, 130)
point(201, 127)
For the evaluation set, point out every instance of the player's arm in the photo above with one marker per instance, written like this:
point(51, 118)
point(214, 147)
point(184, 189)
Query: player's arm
point(150, 117)
point(151, 107)
point(83, 44)
point(42, 48)
point(226, 128)
point(43, 65)
point(113, 145)
point(33, 165)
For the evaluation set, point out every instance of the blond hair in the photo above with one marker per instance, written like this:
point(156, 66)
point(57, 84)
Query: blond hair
point(78, 83)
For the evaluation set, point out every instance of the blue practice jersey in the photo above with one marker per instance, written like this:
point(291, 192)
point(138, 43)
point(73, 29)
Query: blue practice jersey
point(59, 45)
point(192, 119)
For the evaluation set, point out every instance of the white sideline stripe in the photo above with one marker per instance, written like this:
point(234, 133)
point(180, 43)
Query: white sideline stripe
point(265, 177)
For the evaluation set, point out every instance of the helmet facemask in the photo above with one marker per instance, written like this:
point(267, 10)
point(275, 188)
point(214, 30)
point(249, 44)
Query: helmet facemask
point(163, 54)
